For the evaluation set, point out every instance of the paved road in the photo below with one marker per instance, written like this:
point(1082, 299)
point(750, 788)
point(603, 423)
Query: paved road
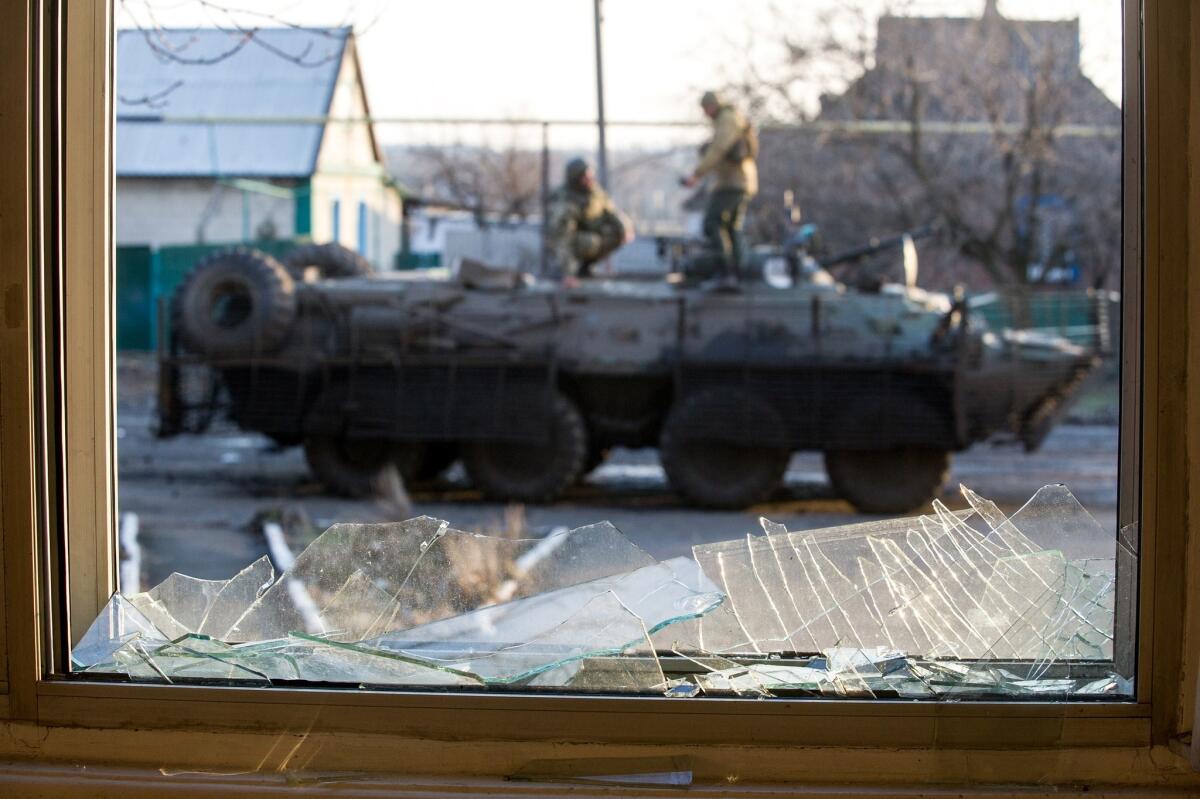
point(196, 497)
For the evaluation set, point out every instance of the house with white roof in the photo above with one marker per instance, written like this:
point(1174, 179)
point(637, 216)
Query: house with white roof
point(234, 137)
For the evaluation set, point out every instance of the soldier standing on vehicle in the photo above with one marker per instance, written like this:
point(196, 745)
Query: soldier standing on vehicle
point(730, 158)
point(583, 225)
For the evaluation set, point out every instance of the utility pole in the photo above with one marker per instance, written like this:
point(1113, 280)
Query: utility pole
point(543, 256)
point(602, 155)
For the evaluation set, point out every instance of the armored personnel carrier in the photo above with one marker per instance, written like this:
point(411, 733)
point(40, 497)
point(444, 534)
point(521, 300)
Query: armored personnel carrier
point(530, 382)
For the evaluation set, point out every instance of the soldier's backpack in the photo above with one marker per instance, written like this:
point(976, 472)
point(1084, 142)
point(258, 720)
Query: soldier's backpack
point(745, 147)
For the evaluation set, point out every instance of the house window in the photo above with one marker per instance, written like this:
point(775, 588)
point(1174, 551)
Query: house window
point(335, 216)
point(363, 226)
point(348, 415)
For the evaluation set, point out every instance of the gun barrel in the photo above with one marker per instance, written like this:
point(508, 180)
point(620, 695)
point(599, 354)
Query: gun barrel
point(875, 246)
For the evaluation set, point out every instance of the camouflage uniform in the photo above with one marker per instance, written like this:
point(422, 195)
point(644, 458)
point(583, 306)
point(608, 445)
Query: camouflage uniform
point(735, 181)
point(583, 225)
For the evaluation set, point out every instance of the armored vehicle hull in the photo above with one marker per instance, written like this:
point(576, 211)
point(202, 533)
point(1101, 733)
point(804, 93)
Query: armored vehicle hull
point(530, 383)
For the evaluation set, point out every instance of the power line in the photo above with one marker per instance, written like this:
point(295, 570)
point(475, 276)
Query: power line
point(936, 127)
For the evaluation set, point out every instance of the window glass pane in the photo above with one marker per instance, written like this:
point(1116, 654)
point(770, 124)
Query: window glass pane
point(808, 386)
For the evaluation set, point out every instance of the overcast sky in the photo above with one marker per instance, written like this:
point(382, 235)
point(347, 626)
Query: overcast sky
point(535, 58)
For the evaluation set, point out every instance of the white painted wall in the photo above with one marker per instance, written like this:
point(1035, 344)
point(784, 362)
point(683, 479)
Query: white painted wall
point(164, 211)
point(349, 174)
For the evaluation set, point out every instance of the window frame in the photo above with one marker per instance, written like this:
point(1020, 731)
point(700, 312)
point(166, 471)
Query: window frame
point(56, 424)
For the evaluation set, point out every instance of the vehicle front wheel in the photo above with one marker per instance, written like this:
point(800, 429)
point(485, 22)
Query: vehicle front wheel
point(896, 480)
point(531, 472)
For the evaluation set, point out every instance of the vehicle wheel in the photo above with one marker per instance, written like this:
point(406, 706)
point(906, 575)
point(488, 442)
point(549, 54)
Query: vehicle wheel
point(531, 472)
point(714, 473)
point(235, 302)
point(332, 261)
point(888, 481)
point(355, 467)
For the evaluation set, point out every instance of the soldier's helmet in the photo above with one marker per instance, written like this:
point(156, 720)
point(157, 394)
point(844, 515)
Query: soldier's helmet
point(711, 99)
point(576, 167)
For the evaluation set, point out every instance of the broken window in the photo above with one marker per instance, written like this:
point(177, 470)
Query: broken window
point(954, 298)
point(966, 603)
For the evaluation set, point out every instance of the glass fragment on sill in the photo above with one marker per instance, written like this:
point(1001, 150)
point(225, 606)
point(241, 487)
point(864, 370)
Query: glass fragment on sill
point(968, 585)
point(414, 603)
point(954, 604)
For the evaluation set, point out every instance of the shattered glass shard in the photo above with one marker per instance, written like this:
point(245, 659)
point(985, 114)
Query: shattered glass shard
point(954, 604)
point(415, 603)
point(119, 623)
point(951, 585)
point(608, 616)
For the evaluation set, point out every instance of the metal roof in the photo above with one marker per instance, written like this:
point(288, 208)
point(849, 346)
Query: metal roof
point(209, 72)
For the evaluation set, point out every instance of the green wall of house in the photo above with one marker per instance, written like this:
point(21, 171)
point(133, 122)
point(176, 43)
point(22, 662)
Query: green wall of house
point(147, 278)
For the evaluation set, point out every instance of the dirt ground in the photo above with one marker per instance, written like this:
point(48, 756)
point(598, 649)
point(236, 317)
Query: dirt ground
point(196, 497)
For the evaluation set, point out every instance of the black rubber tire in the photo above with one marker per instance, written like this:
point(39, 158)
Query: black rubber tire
point(517, 472)
point(235, 302)
point(331, 260)
point(890, 481)
point(713, 473)
point(363, 467)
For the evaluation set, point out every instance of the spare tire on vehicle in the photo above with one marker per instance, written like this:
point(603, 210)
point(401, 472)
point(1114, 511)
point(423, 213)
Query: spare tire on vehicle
point(331, 261)
point(235, 302)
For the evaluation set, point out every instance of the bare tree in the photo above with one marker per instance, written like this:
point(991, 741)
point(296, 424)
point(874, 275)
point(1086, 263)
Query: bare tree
point(963, 122)
point(495, 183)
point(243, 27)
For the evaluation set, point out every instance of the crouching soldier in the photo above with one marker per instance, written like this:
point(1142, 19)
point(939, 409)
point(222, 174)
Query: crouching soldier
point(583, 225)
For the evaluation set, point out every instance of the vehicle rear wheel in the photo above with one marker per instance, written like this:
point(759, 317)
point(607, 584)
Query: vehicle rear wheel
point(896, 480)
point(716, 473)
point(355, 467)
point(538, 472)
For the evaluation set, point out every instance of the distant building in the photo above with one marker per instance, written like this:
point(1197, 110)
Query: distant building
point(1018, 204)
point(213, 178)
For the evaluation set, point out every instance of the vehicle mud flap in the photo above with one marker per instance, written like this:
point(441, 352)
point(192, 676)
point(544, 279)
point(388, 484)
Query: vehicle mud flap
point(720, 448)
point(170, 402)
point(424, 461)
point(437, 458)
point(515, 471)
